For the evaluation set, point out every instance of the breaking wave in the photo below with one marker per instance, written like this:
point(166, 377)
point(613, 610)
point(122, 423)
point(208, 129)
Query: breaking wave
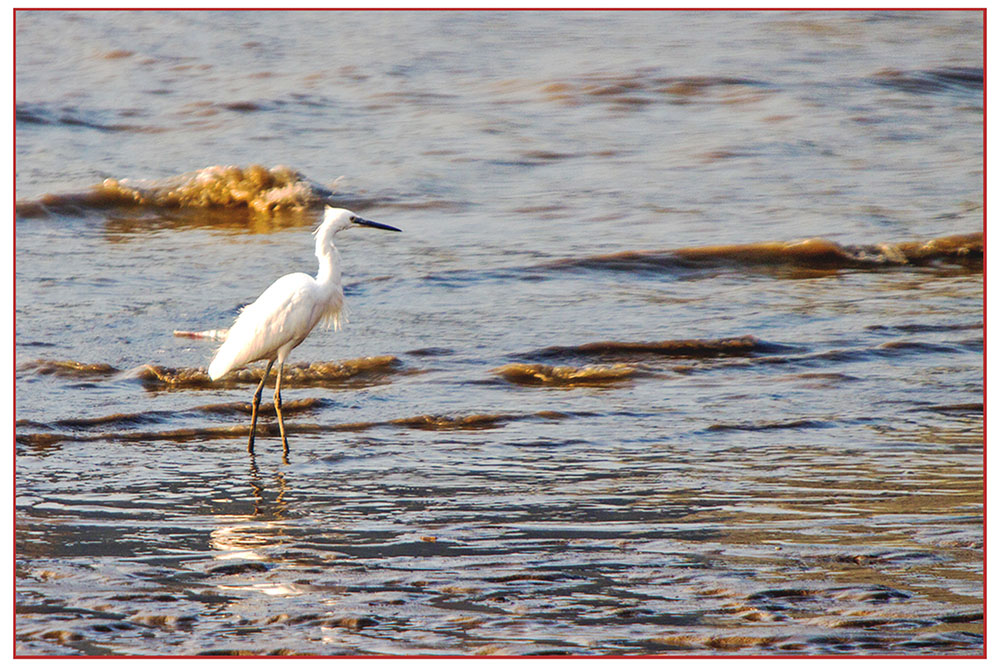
point(963, 249)
point(256, 188)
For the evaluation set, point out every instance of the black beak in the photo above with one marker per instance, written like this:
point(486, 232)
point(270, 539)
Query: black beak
point(377, 225)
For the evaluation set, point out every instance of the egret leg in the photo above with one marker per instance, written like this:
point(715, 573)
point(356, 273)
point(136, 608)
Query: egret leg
point(277, 408)
point(256, 404)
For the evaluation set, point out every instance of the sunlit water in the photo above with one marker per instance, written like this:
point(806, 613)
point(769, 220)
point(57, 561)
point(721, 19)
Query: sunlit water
point(778, 450)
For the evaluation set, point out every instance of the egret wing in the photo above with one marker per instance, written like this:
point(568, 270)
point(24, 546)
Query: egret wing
point(282, 314)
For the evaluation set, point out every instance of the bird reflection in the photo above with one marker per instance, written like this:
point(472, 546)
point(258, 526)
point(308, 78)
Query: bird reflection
point(261, 526)
point(261, 506)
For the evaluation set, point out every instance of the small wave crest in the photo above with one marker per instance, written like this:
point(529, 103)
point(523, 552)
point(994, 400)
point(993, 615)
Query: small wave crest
point(365, 370)
point(68, 368)
point(936, 80)
point(771, 425)
point(692, 348)
point(472, 422)
point(42, 114)
point(643, 87)
point(565, 376)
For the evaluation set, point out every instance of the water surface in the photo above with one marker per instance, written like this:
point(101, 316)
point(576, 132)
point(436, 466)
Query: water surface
point(680, 350)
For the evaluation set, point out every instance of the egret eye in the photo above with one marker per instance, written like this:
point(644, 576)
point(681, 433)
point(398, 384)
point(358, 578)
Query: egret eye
point(354, 218)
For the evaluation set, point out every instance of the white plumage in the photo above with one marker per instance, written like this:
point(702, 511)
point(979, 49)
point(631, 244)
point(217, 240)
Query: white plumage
point(282, 317)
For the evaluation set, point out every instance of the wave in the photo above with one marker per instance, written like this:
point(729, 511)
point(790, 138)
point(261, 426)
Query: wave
point(690, 348)
point(353, 372)
point(962, 249)
point(772, 425)
point(936, 80)
point(470, 422)
point(221, 190)
point(447, 423)
point(40, 114)
point(68, 368)
point(644, 87)
point(975, 409)
point(156, 416)
point(319, 373)
point(565, 376)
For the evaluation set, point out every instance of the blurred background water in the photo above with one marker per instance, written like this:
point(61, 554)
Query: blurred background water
point(596, 398)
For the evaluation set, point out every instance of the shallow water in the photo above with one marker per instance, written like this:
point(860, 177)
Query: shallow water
point(680, 350)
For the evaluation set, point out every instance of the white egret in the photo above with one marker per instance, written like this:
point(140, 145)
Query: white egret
point(282, 317)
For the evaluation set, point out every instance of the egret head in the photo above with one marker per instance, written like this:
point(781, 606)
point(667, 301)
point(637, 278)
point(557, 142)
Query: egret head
point(337, 219)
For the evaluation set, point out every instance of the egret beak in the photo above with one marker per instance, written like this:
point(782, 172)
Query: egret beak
point(377, 225)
